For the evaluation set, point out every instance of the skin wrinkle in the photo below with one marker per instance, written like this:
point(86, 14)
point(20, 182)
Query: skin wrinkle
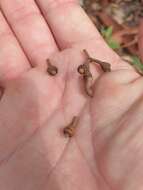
point(66, 79)
point(18, 148)
point(65, 89)
point(104, 178)
point(63, 96)
point(84, 157)
point(121, 121)
point(64, 93)
point(99, 170)
point(90, 168)
point(93, 144)
point(58, 161)
point(135, 80)
point(115, 121)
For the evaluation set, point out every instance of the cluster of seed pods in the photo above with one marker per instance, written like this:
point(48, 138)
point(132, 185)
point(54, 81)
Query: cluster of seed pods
point(84, 71)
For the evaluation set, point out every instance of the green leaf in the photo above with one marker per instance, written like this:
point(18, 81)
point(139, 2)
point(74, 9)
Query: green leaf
point(113, 44)
point(107, 32)
point(137, 62)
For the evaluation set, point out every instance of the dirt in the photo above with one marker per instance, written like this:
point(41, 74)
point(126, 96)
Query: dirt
point(118, 22)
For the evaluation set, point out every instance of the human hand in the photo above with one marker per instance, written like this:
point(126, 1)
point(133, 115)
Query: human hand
point(106, 150)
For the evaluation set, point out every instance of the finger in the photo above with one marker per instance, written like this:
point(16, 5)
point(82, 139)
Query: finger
point(31, 29)
point(12, 59)
point(141, 39)
point(69, 24)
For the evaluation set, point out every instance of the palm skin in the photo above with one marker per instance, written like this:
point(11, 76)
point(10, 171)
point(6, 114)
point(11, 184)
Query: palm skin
point(106, 150)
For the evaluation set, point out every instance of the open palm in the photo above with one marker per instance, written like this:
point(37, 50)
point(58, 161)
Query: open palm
point(106, 151)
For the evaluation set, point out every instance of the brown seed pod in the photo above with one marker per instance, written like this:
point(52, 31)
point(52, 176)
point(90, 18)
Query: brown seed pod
point(106, 67)
point(88, 85)
point(70, 129)
point(87, 78)
point(84, 70)
point(52, 70)
point(81, 69)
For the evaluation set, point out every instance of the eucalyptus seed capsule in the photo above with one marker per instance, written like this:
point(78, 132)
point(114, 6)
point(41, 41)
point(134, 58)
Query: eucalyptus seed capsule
point(52, 70)
point(70, 129)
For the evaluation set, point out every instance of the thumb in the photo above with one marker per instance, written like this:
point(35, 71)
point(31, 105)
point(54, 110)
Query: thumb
point(141, 39)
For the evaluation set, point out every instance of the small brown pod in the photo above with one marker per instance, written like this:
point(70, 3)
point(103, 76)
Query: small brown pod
point(81, 69)
point(70, 129)
point(106, 67)
point(84, 70)
point(88, 85)
point(52, 70)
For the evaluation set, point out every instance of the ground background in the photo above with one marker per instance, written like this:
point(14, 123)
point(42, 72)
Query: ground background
point(118, 22)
